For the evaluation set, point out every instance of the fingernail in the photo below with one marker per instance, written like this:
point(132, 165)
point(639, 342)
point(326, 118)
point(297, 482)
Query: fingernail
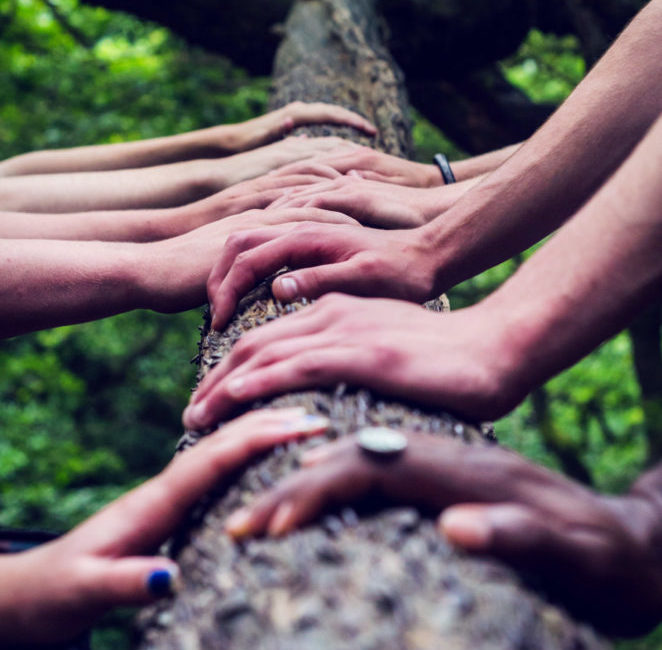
point(310, 423)
point(195, 414)
point(288, 288)
point(162, 583)
point(235, 386)
point(238, 524)
point(470, 530)
point(280, 522)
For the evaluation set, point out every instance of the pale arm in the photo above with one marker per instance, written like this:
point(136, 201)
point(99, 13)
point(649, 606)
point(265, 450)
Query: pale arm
point(212, 142)
point(152, 187)
point(47, 283)
point(149, 224)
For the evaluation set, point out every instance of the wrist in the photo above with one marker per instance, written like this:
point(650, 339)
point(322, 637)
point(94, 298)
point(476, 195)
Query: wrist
point(430, 175)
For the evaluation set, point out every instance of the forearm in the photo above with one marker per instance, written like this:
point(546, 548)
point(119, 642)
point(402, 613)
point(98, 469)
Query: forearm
point(153, 187)
point(483, 164)
point(108, 225)
point(204, 143)
point(560, 166)
point(437, 200)
point(51, 283)
point(591, 278)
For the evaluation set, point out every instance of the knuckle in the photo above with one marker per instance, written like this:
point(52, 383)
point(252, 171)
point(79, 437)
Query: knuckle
point(369, 264)
point(235, 242)
point(383, 354)
point(312, 366)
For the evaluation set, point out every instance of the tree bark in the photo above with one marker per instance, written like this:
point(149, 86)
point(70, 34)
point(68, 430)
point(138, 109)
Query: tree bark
point(373, 578)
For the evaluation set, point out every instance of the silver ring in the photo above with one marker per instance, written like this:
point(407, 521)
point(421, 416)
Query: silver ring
point(381, 442)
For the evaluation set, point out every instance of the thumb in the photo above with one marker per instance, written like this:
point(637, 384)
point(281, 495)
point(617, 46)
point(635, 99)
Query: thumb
point(129, 581)
point(503, 529)
point(316, 281)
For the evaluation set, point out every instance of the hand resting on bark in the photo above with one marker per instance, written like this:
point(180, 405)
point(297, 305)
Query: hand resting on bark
point(599, 554)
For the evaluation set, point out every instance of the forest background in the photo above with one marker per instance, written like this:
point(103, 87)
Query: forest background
point(88, 411)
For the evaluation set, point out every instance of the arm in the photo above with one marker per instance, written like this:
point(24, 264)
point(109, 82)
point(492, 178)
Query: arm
point(47, 283)
point(598, 554)
point(150, 224)
point(205, 143)
point(558, 168)
point(51, 593)
point(580, 288)
point(152, 187)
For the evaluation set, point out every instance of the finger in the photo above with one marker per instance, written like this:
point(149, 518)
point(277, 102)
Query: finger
point(304, 323)
point(320, 113)
point(287, 200)
point(241, 269)
point(289, 181)
point(310, 167)
point(316, 281)
point(318, 367)
point(313, 189)
point(302, 496)
point(141, 519)
point(294, 215)
point(522, 534)
point(128, 581)
point(369, 175)
point(232, 276)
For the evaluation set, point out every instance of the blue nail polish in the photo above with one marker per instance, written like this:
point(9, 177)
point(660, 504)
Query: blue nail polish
point(160, 583)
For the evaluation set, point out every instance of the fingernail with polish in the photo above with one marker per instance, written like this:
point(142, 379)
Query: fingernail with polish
point(288, 288)
point(162, 583)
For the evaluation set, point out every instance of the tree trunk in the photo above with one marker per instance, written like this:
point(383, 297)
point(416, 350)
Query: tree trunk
point(645, 334)
point(383, 578)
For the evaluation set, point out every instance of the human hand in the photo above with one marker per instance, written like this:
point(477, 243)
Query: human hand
point(53, 592)
point(271, 126)
point(374, 165)
point(599, 555)
point(361, 261)
point(171, 274)
point(373, 203)
point(256, 162)
point(256, 193)
point(458, 361)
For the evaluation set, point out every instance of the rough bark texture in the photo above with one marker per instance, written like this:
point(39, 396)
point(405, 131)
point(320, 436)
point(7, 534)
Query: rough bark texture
point(365, 578)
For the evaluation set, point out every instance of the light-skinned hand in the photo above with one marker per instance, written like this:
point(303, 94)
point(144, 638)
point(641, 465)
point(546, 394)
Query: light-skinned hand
point(51, 593)
point(449, 361)
point(271, 126)
point(325, 257)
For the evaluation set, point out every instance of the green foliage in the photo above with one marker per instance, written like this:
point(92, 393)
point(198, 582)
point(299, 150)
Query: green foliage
point(546, 67)
point(91, 409)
